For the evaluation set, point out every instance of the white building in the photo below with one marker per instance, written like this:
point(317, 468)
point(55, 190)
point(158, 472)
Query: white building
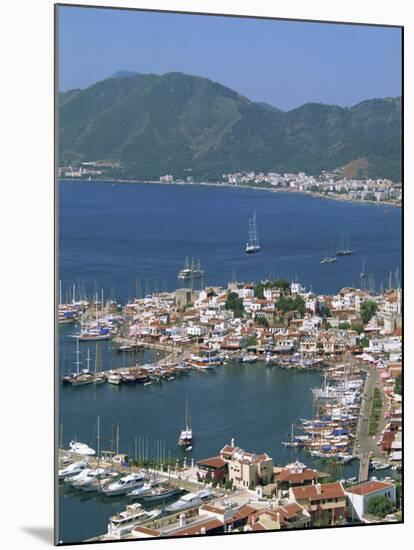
point(359, 495)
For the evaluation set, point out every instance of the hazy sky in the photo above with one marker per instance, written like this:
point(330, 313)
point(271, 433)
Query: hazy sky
point(281, 62)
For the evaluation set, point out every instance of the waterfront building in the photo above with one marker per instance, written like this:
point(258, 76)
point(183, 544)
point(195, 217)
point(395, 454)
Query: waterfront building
point(326, 502)
point(359, 496)
point(247, 469)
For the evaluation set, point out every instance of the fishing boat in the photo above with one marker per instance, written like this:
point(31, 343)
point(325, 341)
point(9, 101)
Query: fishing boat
point(186, 436)
point(253, 244)
point(190, 500)
point(123, 523)
point(125, 484)
point(190, 271)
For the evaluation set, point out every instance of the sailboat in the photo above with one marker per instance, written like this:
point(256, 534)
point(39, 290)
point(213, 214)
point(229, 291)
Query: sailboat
point(344, 248)
point(99, 377)
point(253, 244)
point(186, 435)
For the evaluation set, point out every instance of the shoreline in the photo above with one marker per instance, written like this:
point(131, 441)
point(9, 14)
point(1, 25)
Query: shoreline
point(231, 186)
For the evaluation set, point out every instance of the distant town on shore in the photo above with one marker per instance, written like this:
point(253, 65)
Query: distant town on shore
point(331, 184)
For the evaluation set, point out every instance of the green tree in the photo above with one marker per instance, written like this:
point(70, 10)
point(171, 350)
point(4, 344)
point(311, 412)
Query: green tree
point(344, 326)
point(368, 310)
point(235, 303)
point(357, 327)
point(262, 321)
point(379, 506)
point(398, 384)
point(249, 341)
point(292, 304)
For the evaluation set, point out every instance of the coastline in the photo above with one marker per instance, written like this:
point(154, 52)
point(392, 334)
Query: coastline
point(231, 186)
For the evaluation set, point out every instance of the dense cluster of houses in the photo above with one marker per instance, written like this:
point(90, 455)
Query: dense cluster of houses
point(328, 183)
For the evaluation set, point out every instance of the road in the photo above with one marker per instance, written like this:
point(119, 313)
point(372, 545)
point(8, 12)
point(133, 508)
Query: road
point(365, 444)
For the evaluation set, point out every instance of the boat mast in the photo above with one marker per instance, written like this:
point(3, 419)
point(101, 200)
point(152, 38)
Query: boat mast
point(77, 363)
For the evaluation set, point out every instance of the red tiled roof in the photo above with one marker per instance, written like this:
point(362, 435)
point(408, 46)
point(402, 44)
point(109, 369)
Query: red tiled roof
point(306, 475)
point(213, 462)
point(208, 525)
point(327, 491)
point(369, 487)
point(242, 513)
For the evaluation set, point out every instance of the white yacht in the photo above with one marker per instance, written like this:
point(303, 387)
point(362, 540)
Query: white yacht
point(81, 448)
point(123, 523)
point(125, 484)
point(73, 469)
point(253, 244)
point(88, 477)
point(136, 493)
point(189, 500)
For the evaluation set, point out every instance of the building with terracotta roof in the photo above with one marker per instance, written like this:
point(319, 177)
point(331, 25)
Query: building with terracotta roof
point(247, 469)
point(287, 516)
point(325, 502)
point(294, 475)
point(359, 496)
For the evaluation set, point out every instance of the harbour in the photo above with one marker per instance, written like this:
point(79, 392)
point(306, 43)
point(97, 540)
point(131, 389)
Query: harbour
point(139, 344)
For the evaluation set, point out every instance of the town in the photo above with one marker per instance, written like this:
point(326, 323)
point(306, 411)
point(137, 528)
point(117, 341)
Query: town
point(334, 184)
point(353, 338)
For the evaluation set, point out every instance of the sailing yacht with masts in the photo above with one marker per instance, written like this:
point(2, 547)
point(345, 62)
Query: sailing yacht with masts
point(344, 249)
point(186, 435)
point(253, 244)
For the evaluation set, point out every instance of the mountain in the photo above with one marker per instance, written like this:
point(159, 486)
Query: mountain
point(180, 124)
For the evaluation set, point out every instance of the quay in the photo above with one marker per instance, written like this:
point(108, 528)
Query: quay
point(365, 446)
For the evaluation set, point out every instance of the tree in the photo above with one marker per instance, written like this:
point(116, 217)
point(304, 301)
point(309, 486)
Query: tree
point(357, 327)
point(249, 341)
point(262, 321)
point(379, 506)
point(398, 384)
point(344, 326)
point(235, 303)
point(368, 310)
point(291, 304)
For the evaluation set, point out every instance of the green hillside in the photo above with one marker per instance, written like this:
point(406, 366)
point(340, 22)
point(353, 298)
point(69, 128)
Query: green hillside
point(181, 125)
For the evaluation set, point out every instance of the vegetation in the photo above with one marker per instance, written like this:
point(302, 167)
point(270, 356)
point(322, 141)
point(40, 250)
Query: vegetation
point(282, 284)
point(249, 341)
point(398, 384)
point(262, 321)
point(344, 326)
point(379, 506)
point(186, 125)
point(357, 327)
point(235, 303)
point(368, 310)
point(292, 304)
point(334, 468)
point(375, 412)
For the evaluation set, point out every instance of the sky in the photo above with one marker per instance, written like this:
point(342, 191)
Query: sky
point(284, 63)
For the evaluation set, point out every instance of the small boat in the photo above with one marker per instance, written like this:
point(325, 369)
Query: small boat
point(190, 500)
point(125, 484)
point(81, 448)
point(136, 493)
point(114, 378)
point(128, 378)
